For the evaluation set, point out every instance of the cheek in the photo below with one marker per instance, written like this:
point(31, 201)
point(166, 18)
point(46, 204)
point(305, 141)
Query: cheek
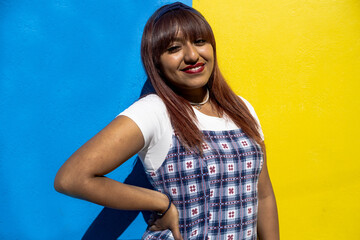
point(208, 53)
point(170, 65)
point(167, 69)
point(164, 64)
point(211, 53)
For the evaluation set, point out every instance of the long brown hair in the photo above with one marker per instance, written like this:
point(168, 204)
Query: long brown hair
point(160, 30)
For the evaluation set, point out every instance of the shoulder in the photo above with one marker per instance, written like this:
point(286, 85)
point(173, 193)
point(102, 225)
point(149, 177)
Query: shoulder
point(145, 107)
point(253, 113)
point(249, 106)
point(150, 115)
point(153, 98)
point(150, 102)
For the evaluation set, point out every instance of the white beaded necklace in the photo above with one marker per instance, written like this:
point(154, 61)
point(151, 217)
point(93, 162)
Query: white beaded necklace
point(199, 105)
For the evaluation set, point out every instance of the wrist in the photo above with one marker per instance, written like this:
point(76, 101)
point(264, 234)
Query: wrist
point(163, 210)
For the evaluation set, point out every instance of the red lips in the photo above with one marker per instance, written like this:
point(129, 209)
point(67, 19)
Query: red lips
point(197, 68)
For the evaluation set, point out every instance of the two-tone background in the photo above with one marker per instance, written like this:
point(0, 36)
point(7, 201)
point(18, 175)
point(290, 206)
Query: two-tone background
point(68, 67)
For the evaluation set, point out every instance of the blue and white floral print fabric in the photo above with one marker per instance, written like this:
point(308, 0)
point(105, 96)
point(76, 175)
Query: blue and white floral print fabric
point(216, 194)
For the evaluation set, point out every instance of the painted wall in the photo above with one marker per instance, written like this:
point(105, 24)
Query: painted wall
point(68, 67)
point(298, 63)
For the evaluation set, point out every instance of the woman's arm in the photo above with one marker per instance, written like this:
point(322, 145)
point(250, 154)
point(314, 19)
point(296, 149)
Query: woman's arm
point(82, 175)
point(268, 224)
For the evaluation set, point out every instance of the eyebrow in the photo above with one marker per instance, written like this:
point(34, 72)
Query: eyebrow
point(178, 39)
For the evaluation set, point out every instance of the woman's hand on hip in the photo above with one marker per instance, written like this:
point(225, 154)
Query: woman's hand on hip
point(169, 221)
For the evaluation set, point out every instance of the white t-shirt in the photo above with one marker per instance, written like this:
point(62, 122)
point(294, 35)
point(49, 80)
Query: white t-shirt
point(150, 115)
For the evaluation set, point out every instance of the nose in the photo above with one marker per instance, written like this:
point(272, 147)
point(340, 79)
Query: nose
point(191, 55)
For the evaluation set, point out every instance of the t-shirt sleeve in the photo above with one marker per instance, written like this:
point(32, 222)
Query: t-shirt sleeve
point(149, 114)
point(253, 113)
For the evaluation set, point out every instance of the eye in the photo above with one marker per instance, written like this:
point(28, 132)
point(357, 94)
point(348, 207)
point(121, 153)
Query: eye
point(173, 49)
point(200, 42)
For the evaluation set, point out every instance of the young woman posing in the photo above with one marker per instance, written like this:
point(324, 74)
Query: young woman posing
point(201, 145)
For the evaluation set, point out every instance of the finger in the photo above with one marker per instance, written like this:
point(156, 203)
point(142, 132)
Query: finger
point(153, 228)
point(151, 220)
point(176, 233)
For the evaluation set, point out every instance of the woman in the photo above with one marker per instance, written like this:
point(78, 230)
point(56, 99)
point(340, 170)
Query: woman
point(201, 145)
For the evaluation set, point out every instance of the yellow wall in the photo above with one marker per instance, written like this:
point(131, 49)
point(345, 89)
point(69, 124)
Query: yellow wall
point(298, 63)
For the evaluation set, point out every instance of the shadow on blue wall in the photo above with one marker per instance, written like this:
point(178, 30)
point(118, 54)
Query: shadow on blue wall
point(111, 223)
point(67, 68)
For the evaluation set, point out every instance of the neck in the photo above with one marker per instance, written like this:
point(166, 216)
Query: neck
point(195, 96)
point(199, 105)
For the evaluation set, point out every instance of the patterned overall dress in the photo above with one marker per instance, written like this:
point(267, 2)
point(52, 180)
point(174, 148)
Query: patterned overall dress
point(216, 194)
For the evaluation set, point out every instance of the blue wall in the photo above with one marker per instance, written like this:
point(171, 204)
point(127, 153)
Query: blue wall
point(67, 68)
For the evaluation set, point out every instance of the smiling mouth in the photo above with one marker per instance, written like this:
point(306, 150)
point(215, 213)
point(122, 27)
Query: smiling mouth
point(197, 68)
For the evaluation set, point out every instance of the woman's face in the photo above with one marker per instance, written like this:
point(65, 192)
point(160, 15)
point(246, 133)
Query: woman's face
point(187, 65)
